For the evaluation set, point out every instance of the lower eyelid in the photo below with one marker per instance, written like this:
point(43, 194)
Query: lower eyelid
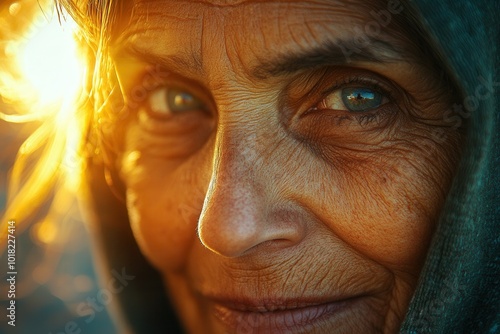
point(383, 113)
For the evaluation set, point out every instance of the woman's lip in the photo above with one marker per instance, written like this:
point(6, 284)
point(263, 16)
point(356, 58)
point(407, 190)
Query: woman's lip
point(271, 316)
point(271, 305)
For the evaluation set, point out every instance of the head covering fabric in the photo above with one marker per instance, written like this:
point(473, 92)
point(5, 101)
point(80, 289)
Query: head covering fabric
point(459, 288)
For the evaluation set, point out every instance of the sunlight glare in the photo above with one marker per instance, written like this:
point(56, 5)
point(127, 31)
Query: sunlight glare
point(50, 63)
point(54, 72)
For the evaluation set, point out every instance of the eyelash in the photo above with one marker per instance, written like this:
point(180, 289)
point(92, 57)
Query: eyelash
point(363, 118)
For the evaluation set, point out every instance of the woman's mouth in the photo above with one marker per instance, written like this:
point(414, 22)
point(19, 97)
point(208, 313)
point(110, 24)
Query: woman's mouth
point(281, 316)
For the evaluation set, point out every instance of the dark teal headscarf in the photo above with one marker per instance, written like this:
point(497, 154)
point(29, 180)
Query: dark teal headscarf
point(459, 290)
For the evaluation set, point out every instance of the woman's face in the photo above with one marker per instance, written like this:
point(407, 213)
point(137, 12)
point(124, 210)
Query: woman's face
point(285, 161)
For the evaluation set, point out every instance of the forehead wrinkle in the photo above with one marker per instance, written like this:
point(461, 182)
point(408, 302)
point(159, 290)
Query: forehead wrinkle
point(372, 4)
point(219, 4)
point(322, 19)
point(152, 21)
point(145, 11)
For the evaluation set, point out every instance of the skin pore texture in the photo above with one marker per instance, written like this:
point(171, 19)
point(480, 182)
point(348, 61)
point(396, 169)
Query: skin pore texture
point(265, 203)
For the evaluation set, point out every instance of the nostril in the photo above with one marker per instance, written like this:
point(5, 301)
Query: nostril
point(272, 245)
point(229, 245)
point(232, 232)
point(229, 232)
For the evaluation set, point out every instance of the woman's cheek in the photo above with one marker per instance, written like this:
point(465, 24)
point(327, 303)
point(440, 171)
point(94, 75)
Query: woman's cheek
point(156, 189)
point(159, 235)
point(161, 224)
point(390, 229)
point(386, 204)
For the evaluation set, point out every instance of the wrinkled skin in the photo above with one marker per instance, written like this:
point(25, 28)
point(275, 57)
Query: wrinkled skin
point(261, 195)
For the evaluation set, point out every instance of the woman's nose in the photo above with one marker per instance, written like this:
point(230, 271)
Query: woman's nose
point(242, 209)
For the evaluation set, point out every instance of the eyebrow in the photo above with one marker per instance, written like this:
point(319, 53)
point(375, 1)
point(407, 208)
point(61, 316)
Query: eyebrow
point(340, 52)
point(330, 53)
point(179, 63)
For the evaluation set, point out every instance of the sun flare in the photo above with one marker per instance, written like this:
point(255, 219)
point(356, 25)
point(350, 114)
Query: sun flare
point(41, 84)
point(49, 62)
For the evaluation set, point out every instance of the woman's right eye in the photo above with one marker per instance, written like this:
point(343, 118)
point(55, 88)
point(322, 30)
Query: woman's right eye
point(167, 101)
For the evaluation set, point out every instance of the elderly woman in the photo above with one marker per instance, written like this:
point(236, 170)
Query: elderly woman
point(295, 166)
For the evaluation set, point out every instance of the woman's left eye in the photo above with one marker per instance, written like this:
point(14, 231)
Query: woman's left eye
point(353, 99)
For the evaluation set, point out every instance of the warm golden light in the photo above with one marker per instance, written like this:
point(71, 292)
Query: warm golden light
point(50, 63)
point(45, 231)
point(41, 77)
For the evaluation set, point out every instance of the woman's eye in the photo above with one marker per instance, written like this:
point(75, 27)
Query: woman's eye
point(167, 101)
point(353, 99)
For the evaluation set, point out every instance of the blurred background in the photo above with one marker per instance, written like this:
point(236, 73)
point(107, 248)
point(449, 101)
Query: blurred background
point(56, 286)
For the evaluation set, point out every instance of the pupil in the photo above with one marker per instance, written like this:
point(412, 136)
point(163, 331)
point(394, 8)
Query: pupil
point(179, 100)
point(361, 99)
point(183, 99)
